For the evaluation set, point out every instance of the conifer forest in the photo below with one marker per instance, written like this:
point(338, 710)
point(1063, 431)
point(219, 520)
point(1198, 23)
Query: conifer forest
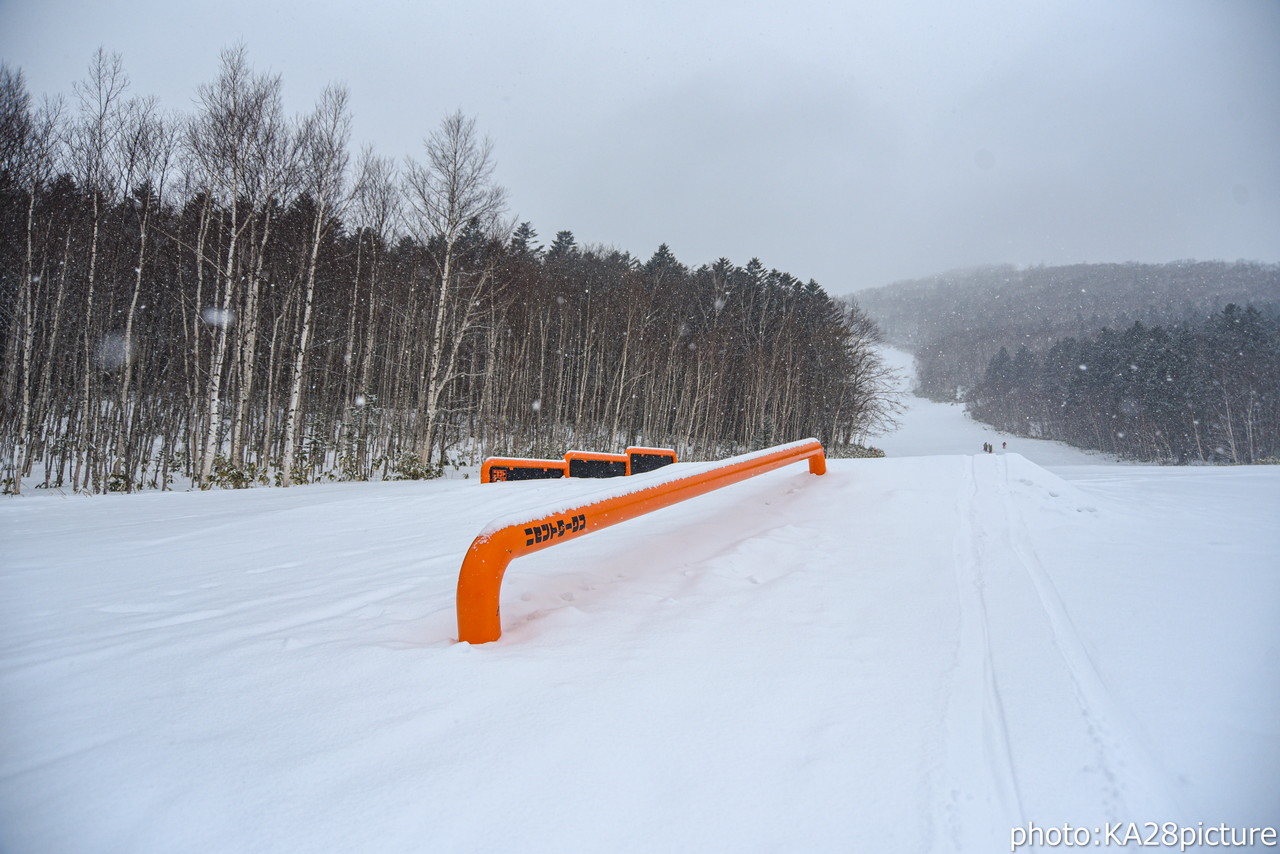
point(234, 297)
point(1207, 393)
point(1172, 363)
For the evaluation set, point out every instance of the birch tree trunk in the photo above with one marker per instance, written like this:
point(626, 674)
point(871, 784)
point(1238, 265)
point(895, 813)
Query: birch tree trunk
point(454, 190)
point(149, 149)
point(324, 142)
point(93, 145)
point(234, 142)
point(35, 161)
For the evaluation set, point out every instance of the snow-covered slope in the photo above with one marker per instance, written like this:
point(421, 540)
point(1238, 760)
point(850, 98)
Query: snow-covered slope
point(915, 653)
point(940, 428)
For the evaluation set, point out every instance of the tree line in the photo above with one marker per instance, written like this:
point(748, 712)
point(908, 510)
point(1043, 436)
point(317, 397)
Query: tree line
point(1208, 392)
point(232, 297)
point(955, 322)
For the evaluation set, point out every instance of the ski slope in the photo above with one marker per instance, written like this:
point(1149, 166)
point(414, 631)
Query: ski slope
point(916, 653)
point(930, 429)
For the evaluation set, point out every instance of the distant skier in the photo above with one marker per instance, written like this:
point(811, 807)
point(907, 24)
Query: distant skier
point(1004, 446)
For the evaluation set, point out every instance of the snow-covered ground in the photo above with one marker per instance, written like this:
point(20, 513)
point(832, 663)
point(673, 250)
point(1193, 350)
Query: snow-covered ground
point(916, 653)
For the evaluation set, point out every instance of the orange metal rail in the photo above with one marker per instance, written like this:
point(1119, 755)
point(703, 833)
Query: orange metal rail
point(480, 579)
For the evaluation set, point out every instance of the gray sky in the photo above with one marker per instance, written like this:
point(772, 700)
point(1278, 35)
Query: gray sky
point(855, 143)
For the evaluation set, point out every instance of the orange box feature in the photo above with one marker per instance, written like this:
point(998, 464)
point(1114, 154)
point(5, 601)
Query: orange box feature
point(480, 579)
point(496, 469)
point(641, 460)
point(592, 464)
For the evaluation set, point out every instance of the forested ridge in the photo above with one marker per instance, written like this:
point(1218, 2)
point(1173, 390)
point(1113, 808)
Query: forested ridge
point(232, 297)
point(1170, 362)
point(955, 322)
point(1208, 392)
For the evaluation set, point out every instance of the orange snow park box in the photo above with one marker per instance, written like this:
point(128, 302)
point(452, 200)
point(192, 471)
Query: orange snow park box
point(496, 469)
point(592, 464)
point(641, 460)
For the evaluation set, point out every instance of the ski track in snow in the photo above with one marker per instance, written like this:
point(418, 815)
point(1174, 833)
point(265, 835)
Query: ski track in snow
point(977, 736)
point(1130, 779)
point(1023, 692)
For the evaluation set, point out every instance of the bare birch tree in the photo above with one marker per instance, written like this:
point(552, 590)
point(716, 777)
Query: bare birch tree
point(93, 141)
point(323, 141)
point(30, 148)
point(226, 141)
point(275, 175)
point(377, 201)
point(147, 147)
point(452, 191)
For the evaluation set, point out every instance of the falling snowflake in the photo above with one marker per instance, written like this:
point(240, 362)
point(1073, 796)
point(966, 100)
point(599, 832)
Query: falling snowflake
point(218, 316)
point(113, 351)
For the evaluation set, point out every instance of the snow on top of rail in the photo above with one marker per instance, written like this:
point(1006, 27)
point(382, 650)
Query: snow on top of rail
point(627, 486)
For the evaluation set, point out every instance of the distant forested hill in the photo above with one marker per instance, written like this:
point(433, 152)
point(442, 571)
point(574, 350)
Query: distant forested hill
point(956, 322)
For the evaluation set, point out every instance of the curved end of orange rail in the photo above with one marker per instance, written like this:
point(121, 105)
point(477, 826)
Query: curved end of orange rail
point(480, 588)
point(818, 463)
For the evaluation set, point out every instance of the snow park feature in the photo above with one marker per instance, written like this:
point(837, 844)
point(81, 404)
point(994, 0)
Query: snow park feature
point(499, 469)
point(641, 460)
point(636, 460)
point(504, 539)
point(920, 653)
point(596, 464)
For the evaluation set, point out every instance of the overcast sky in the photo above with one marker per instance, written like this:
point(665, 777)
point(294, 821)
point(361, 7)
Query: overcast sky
point(855, 143)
